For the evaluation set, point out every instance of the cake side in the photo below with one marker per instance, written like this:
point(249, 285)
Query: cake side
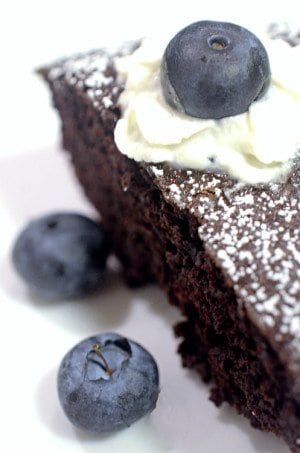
point(158, 234)
point(252, 233)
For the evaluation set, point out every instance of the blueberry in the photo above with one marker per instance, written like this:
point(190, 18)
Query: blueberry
point(107, 382)
point(62, 255)
point(214, 69)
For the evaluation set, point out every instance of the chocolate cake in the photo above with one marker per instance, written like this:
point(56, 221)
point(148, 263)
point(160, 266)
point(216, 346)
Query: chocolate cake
point(226, 253)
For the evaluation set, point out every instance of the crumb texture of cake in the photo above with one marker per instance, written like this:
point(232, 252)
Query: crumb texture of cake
point(226, 253)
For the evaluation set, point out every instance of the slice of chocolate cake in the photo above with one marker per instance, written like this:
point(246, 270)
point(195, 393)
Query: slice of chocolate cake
point(226, 253)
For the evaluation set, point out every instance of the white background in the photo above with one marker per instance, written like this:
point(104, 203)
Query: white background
point(35, 178)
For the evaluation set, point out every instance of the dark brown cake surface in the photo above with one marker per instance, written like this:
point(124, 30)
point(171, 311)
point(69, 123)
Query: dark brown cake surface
point(227, 253)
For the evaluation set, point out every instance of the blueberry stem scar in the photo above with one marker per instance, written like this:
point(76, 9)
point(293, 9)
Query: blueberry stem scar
point(96, 348)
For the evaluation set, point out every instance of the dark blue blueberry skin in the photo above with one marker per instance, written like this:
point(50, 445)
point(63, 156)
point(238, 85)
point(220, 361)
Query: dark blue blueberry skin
point(100, 402)
point(214, 70)
point(62, 255)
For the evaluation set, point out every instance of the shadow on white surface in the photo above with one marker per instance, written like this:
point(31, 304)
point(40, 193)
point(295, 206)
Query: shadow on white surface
point(38, 182)
point(237, 425)
point(108, 306)
point(262, 442)
point(107, 309)
point(48, 408)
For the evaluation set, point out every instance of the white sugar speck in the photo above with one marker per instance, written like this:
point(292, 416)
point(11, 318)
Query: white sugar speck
point(157, 171)
point(107, 102)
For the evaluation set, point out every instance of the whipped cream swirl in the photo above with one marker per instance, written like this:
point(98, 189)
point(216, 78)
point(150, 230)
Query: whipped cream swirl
point(257, 146)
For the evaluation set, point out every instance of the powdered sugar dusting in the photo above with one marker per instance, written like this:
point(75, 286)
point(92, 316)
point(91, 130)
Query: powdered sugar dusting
point(253, 234)
point(263, 257)
point(92, 73)
point(89, 68)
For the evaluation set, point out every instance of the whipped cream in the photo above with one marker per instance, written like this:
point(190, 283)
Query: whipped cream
point(255, 147)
